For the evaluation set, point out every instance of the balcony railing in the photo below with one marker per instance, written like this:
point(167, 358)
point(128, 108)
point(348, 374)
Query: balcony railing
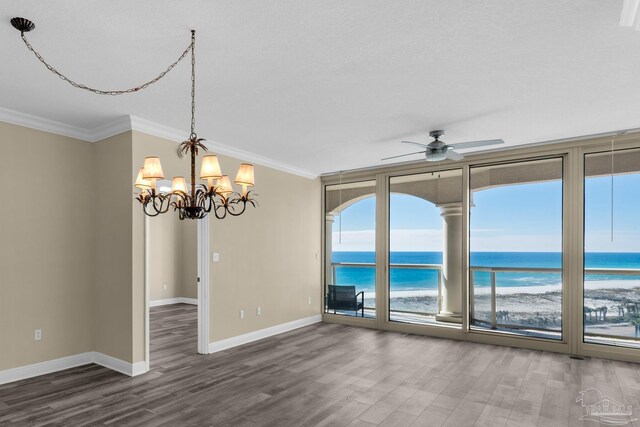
point(436, 267)
point(493, 322)
point(493, 271)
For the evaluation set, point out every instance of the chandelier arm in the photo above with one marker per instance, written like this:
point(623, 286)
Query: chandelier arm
point(236, 202)
point(103, 91)
point(151, 214)
point(221, 207)
point(234, 213)
point(162, 199)
point(151, 201)
point(207, 201)
point(179, 198)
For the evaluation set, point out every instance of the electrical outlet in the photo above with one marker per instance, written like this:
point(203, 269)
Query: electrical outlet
point(259, 311)
point(38, 334)
point(242, 314)
point(309, 300)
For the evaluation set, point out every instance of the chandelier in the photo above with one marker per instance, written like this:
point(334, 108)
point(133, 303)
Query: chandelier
point(217, 195)
point(196, 202)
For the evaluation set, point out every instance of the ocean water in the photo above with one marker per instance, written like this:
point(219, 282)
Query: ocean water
point(413, 279)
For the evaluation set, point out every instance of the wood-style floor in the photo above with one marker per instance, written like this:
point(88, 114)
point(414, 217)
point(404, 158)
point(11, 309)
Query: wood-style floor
point(321, 375)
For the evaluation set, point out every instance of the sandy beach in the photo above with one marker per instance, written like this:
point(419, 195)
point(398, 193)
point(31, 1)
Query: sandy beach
point(538, 306)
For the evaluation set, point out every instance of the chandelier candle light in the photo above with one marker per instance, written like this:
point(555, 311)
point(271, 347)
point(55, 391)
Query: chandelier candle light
point(194, 203)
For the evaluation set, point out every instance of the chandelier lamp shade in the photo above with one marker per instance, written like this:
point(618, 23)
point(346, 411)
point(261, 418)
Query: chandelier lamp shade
point(192, 200)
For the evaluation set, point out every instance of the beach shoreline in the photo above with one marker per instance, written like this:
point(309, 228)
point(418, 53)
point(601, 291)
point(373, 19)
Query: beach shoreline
point(607, 305)
point(592, 285)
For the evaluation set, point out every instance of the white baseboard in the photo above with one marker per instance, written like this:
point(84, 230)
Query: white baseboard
point(42, 368)
point(50, 366)
point(262, 333)
point(139, 368)
point(130, 369)
point(169, 301)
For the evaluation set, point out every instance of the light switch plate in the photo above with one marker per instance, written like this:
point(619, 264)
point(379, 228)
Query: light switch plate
point(215, 257)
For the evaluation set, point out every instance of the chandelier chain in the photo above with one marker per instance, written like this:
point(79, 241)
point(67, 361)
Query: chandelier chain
point(101, 91)
point(193, 83)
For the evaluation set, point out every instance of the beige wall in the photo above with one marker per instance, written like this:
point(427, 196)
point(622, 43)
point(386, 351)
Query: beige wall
point(46, 225)
point(171, 269)
point(189, 260)
point(112, 248)
point(269, 256)
point(165, 257)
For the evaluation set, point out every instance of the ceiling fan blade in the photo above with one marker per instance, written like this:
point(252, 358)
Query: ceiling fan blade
point(402, 155)
point(452, 155)
point(415, 143)
point(474, 144)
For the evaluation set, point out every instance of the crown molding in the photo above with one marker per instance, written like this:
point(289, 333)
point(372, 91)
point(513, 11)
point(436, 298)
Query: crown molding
point(45, 125)
point(132, 123)
point(162, 131)
point(107, 130)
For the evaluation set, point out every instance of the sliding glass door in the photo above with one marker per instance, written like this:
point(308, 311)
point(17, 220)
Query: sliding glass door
point(516, 230)
point(611, 303)
point(425, 248)
point(350, 249)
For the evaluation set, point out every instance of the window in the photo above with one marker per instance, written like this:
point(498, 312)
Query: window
point(516, 248)
point(425, 248)
point(611, 302)
point(350, 249)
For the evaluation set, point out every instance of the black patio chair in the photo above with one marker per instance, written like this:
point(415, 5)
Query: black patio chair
point(345, 298)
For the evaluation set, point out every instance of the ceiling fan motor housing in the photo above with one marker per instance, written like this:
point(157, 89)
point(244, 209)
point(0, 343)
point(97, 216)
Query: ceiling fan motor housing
point(436, 154)
point(436, 133)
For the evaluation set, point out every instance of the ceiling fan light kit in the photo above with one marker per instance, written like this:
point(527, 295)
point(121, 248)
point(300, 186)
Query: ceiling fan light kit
point(194, 203)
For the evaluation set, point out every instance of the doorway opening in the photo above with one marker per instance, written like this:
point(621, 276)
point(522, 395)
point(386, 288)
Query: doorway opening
point(176, 288)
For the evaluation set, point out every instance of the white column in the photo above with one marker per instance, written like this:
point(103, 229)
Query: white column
point(451, 291)
point(328, 250)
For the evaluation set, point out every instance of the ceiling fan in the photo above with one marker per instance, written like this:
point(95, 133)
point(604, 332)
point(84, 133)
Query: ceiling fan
point(437, 150)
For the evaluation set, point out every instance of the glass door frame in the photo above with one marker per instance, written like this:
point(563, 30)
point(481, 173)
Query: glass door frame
point(582, 347)
point(431, 327)
point(566, 232)
point(339, 318)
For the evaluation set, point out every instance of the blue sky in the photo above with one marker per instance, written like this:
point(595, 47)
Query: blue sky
point(512, 218)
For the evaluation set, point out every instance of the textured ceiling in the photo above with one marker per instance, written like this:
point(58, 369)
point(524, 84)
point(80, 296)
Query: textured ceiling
point(334, 85)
